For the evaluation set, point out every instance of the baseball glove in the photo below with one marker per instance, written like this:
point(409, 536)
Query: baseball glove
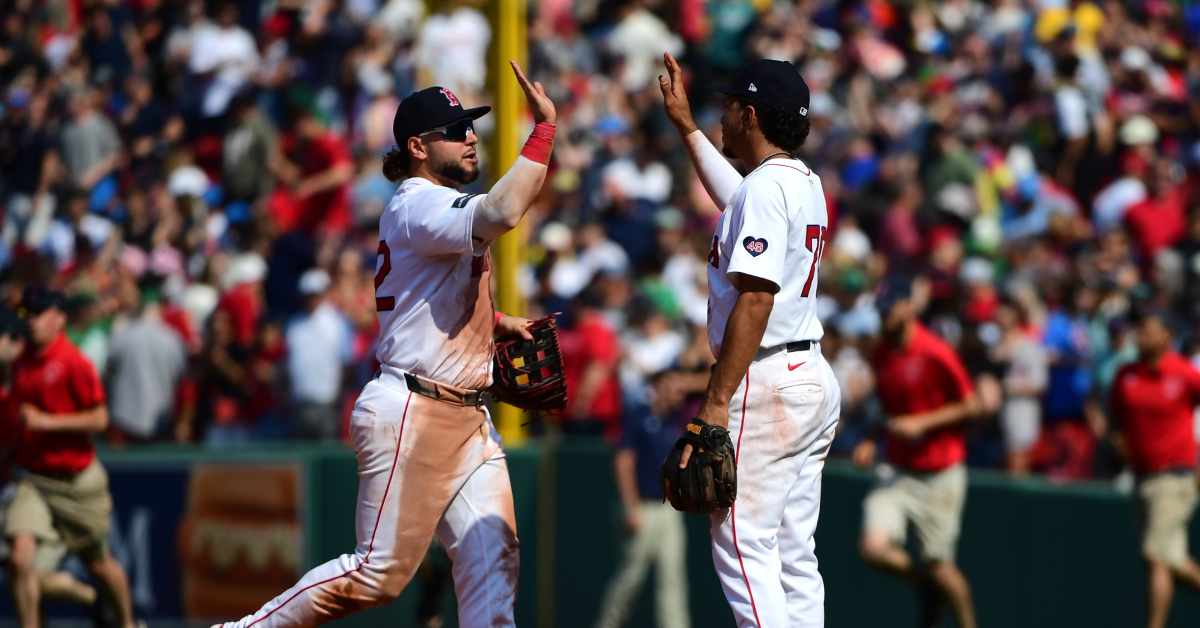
point(709, 482)
point(529, 373)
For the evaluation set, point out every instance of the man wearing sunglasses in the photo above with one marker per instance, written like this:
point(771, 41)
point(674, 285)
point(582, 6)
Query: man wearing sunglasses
point(429, 458)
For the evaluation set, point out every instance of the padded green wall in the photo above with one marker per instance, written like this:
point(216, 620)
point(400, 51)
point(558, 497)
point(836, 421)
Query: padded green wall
point(1037, 555)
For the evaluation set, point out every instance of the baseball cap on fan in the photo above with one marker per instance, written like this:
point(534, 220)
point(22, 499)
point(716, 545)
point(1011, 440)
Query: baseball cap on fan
point(429, 109)
point(892, 290)
point(37, 299)
point(769, 82)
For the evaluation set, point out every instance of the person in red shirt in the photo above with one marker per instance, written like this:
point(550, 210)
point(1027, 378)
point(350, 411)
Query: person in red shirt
point(591, 353)
point(1160, 220)
point(1153, 402)
point(50, 550)
point(60, 403)
point(318, 169)
point(927, 395)
point(243, 300)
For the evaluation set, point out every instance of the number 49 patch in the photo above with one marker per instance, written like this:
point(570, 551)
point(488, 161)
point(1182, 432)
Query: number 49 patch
point(755, 246)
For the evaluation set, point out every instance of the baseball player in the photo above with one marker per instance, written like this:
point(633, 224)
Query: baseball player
point(927, 395)
point(429, 458)
point(62, 487)
point(771, 386)
point(1153, 401)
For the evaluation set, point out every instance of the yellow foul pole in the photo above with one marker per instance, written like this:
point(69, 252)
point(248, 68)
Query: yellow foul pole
point(508, 20)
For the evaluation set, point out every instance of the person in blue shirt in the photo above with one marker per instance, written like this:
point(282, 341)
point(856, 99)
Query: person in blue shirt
point(655, 531)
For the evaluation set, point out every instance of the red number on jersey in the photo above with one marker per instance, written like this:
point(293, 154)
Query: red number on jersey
point(383, 304)
point(714, 255)
point(814, 241)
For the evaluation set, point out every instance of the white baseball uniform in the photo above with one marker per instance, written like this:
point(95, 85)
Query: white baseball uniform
point(426, 465)
point(785, 411)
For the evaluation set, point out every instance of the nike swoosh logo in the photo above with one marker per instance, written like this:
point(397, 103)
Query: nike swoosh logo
point(792, 367)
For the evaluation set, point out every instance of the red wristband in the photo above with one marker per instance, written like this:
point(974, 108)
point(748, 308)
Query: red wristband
point(540, 143)
point(499, 315)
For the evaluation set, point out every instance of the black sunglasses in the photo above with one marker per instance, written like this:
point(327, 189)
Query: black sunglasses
point(455, 132)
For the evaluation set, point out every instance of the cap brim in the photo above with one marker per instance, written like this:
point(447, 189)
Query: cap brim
point(733, 91)
point(476, 113)
point(728, 89)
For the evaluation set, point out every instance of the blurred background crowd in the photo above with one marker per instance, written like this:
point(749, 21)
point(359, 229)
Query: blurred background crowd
point(203, 180)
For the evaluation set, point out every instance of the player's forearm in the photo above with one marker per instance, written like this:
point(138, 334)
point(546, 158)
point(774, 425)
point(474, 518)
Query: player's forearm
point(506, 203)
point(589, 385)
point(624, 468)
point(950, 414)
point(99, 171)
point(743, 334)
point(719, 176)
point(332, 178)
point(91, 421)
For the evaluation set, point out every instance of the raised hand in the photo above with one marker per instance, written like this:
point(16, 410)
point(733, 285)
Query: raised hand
point(539, 103)
point(675, 99)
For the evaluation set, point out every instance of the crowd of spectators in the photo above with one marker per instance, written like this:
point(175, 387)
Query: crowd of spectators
point(203, 179)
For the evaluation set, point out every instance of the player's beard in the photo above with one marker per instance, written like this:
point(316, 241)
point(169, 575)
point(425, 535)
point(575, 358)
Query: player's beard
point(457, 172)
point(729, 137)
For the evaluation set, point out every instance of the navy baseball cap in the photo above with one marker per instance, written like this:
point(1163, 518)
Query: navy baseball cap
point(12, 325)
point(892, 291)
point(771, 82)
point(429, 109)
point(38, 299)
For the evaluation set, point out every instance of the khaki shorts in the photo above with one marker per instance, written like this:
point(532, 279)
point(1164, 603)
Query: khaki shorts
point(932, 502)
point(76, 508)
point(50, 551)
point(1167, 503)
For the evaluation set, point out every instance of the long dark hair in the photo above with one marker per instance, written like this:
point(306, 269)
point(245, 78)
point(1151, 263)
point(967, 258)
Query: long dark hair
point(785, 128)
point(396, 163)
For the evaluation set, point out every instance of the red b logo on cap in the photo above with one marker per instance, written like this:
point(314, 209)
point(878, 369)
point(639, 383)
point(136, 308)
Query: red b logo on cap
point(451, 97)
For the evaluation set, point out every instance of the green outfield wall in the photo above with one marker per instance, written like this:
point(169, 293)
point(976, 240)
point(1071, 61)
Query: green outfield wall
point(1037, 555)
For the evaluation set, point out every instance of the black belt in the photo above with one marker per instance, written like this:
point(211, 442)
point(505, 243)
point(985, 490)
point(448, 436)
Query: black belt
point(795, 346)
point(431, 389)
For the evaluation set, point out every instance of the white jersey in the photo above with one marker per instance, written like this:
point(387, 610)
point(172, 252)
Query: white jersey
point(774, 228)
point(433, 287)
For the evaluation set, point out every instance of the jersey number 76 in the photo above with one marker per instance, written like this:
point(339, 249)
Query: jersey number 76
point(814, 241)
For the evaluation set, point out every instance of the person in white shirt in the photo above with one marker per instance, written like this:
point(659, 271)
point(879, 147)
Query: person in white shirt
point(429, 458)
point(771, 386)
point(318, 342)
point(228, 54)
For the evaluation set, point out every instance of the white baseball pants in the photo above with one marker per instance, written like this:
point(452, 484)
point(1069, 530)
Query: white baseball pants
point(782, 420)
point(424, 467)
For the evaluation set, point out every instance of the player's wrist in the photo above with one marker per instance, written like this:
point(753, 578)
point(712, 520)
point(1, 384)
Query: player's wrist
point(713, 412)
point(540, 143)
point(685, 126)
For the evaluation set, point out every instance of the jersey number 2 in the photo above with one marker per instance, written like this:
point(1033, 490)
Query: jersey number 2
point(814, 241)
point(383, 304)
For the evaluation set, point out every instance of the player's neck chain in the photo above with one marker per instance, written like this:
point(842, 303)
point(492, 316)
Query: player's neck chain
point(773, 156)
